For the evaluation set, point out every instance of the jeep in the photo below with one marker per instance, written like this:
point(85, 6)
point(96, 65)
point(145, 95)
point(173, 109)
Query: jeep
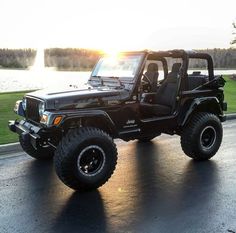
point(131, 95)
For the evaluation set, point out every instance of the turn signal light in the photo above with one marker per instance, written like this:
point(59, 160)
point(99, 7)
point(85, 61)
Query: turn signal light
point(57, 120)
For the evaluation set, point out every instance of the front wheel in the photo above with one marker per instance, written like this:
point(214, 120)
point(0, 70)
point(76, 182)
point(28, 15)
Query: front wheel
point(85, 158)
point(202, 136)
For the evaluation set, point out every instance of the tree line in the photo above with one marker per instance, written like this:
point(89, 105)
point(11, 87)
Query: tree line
point(84, 59)
point(223, 58)
point(17, 58)
point(71, 58)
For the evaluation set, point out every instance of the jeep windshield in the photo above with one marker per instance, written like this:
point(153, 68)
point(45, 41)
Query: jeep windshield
point(118, 69)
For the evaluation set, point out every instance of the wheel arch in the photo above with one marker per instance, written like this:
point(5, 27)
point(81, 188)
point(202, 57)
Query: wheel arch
point(211, 105)
point(98, 119)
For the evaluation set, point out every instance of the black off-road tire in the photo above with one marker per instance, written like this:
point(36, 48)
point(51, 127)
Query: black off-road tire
point(202, 136)
point(85, 158)
point(42, 153)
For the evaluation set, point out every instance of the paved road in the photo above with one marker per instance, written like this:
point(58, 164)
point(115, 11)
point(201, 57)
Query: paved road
point(155, 188)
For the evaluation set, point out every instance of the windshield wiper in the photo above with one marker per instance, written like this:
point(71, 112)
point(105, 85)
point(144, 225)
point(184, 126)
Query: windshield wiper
point(99, 77)
point(108, 79)
point(118, 79)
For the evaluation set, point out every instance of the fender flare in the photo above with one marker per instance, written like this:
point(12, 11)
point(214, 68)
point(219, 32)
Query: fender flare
point(68, 116)
point(199, 102)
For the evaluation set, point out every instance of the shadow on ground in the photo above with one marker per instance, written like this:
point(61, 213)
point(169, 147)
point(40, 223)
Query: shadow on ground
point(151, 191)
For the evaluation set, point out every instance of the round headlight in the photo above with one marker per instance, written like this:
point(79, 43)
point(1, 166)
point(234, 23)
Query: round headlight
point(24, 104)
point(41, 108)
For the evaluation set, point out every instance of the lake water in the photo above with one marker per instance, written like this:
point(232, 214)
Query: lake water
point(17, 80)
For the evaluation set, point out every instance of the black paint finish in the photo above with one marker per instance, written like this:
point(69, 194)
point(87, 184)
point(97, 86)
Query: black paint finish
point(126, 114)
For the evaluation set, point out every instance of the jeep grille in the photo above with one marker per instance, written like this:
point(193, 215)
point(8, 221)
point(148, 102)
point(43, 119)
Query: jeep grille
point(32, 111)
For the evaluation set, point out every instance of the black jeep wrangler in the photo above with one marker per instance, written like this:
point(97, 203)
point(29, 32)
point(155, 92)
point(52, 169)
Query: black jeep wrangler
point(134, 95)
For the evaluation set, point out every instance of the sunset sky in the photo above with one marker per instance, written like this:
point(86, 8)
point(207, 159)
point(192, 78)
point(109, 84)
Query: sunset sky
point(117, 25)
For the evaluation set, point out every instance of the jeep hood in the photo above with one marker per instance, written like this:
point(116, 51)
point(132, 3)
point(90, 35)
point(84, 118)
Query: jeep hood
point(78, 98)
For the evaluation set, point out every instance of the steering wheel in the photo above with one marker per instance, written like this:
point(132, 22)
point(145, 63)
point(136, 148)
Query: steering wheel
point(147, 81)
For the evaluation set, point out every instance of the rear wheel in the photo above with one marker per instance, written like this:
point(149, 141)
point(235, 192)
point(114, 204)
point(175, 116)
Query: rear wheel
point(41, 153)
point(202, 136)
point(85, 158)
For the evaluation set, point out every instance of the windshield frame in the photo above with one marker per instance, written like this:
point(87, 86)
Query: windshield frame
point(122, 79)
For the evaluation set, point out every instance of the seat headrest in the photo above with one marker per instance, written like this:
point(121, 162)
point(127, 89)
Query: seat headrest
point(176, 67)
point(152, 67)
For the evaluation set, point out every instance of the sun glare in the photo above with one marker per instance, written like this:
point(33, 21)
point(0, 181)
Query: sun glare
point(112, 53)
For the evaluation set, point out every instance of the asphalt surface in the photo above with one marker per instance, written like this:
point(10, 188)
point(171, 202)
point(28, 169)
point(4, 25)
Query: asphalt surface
point(155, 188)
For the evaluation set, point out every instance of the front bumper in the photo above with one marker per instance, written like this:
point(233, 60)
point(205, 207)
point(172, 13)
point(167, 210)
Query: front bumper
point(223, 118)
point(29, 132)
